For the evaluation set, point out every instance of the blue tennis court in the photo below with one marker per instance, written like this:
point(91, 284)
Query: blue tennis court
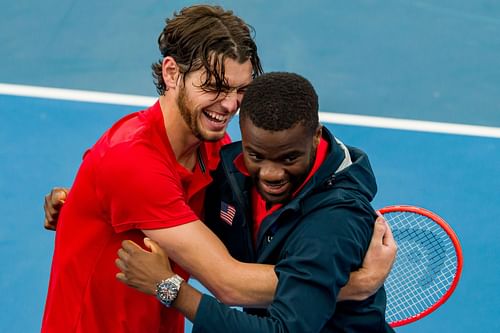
point(432, 65)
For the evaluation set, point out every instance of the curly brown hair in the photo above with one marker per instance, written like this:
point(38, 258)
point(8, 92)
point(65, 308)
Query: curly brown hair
point(204, 36)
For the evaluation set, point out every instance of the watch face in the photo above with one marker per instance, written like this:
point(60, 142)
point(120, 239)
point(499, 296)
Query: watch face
point(167, 290)
point(171, 290)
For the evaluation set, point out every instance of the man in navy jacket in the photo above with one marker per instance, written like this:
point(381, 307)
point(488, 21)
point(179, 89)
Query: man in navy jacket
point(309, 196)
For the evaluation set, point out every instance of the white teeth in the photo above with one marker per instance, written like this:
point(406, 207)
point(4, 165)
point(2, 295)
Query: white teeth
point(216, 116)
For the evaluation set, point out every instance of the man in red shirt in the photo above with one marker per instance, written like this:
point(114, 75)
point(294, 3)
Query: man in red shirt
point(147, 175)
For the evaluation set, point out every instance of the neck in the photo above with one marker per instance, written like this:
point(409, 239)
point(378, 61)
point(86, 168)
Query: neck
point(184, 144)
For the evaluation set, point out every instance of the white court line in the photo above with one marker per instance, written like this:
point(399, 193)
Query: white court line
point(410, 125)
point(76, 95)
point(328, 117)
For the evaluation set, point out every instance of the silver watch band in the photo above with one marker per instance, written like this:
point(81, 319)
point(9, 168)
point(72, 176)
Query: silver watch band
point(168, 289)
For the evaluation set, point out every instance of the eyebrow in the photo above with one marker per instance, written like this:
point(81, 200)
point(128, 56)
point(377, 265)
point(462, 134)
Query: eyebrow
point(213, 86)
point(294, 152)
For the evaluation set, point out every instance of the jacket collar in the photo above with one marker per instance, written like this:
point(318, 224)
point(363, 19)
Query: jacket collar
point(336, 159)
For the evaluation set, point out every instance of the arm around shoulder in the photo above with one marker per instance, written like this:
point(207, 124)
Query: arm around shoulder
point(376, 266)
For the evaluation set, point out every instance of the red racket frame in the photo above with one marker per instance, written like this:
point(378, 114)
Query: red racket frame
point(456, 244)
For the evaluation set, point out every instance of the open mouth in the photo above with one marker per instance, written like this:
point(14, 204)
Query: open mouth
point(274, 189)
point(216, 117)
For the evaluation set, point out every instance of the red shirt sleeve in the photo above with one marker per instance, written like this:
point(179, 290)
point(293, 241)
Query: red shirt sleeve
point(141, 189)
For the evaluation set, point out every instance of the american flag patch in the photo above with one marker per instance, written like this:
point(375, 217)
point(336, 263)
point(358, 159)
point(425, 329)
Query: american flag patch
point(227, 213)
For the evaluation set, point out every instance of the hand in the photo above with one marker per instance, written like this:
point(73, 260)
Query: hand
point(376, 265)
point(142, 269)
point(52, 207)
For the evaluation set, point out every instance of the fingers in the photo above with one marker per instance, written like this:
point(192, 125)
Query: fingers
point(153, 246)
point(130, 246)
point(49, 225)
point(50, 213)
point(379, 230)
point(59, 195)
point(123, 255)
point(387, 241)
point(121, 277)
point(389, 237)
point(55, 199)
point(140, 268)
point(382, 233)
point(121, 265)
point(121, 262)
point(148, 242)
point(158, 250)
point(52, 206)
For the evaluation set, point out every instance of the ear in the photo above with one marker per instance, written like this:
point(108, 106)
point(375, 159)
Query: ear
point(170, 72)
point(317, 136)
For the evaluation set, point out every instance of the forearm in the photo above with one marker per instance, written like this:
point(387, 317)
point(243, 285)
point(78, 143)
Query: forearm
point(304, 302)
point(236, 283)
point(204, 256)
point(360, 286)
point(249, 285)
point(187, 301)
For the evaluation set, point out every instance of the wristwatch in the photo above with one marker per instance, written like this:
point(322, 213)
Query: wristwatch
point(168, 289)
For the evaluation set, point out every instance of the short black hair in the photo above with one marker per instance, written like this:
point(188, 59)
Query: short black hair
point(277, 101)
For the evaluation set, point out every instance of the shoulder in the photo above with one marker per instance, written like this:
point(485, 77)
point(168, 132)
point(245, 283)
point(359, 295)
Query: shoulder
point(134, 161)
point(334, 235)
point(137, 141)
point(345, 216)
point(138, 127)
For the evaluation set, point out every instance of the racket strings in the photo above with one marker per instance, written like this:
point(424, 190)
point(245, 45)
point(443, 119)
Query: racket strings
point(424, 268)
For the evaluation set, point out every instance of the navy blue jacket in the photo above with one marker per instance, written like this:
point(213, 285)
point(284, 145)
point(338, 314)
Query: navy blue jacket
point(314, 241)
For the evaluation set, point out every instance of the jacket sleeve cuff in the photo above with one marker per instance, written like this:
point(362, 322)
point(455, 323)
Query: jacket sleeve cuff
point(213, 316)
point(208, 315)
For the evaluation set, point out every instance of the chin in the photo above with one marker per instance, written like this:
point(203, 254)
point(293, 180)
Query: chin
point(213, 136)
point(276, 199)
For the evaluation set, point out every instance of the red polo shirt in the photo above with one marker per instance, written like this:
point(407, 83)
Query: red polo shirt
point(129, 181)
point(259, 208)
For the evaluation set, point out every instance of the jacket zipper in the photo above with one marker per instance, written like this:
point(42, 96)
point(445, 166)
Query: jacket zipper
point(240, 201)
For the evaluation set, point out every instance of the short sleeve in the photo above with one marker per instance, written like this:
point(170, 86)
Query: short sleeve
point(140, 188)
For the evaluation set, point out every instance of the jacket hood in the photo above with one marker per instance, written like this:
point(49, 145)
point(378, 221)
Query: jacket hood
point(345, 167)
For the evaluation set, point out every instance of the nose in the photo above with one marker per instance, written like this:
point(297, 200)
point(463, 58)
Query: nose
point(271, 172)
point(231, 102)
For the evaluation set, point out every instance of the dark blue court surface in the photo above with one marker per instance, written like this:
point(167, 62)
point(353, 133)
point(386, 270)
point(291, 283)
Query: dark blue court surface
point(426, 60)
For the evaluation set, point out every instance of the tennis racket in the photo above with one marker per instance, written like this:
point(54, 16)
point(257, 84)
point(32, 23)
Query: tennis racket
point(427, 267)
